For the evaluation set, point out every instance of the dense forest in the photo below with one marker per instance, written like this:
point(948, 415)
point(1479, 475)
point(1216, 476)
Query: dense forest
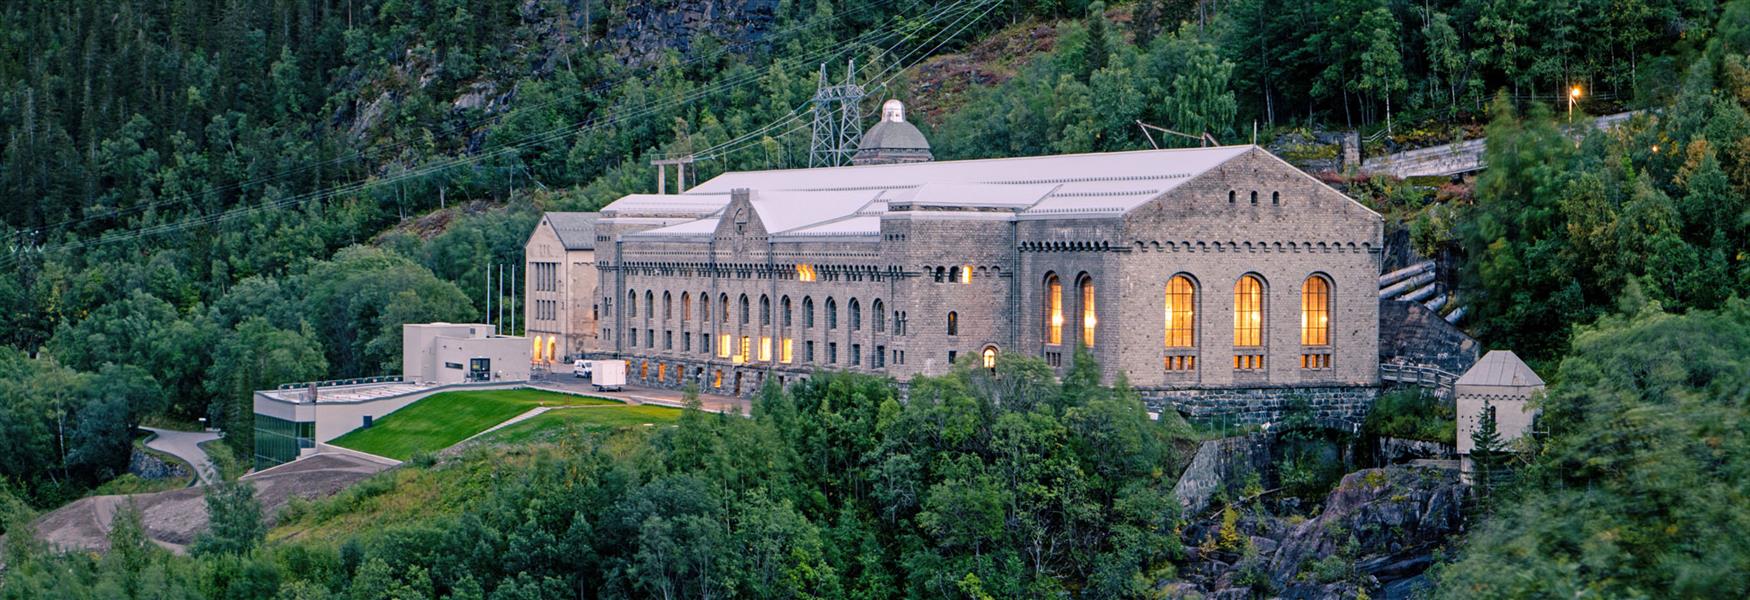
point(205, 197)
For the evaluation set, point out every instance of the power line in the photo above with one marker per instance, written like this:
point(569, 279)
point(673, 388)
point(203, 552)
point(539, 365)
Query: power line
point(381, 150)
point(440, 165)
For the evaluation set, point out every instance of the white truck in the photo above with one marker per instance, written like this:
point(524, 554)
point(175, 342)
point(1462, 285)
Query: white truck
point(608, 375)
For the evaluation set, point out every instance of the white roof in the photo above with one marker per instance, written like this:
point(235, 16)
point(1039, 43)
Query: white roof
point(848, 201)
point(1500, 368)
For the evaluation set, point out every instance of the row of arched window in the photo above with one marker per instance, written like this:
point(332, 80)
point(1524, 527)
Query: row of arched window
point(742, 310)
point(1179, 308)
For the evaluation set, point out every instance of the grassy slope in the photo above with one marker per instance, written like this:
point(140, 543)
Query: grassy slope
point(418, 493)
point(442, 420)
point(551, 423)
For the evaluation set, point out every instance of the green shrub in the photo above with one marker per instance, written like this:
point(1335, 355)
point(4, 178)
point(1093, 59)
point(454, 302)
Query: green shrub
point(1413, 414)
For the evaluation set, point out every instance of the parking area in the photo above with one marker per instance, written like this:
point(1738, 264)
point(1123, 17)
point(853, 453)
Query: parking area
point(633, 394)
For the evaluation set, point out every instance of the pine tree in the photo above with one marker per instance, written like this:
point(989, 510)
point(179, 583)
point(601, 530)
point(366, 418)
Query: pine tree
point(1488, 451)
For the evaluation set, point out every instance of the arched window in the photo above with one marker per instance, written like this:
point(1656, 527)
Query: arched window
point(898, 323)
point(953, 323)
point(1315, 323)
point(1315, 312)
point(856, 311)
point(686, 306)
point(1248, 323)
point(765, 310)
point(704, 307)
point(1089, 320)
point(807, 312)
point(832, 314)
point(667, 306)
point(1254, 196)
point(1053, 309)
point(649, 304)
point(879, 316)
point(743, 309)
point(990, 357)
point(1230, 196)
point(1181, 312)
point(1275, 197)
point(723, 305)
point(631, 303)
point(784, 305)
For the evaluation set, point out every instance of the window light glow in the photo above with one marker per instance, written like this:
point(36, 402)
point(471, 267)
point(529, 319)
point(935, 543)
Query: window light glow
point(1053, 311)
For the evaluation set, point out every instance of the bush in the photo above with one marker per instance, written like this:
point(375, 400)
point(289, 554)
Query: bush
point(1413, 414)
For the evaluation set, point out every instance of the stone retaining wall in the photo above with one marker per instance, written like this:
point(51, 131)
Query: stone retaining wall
point(1331, 405)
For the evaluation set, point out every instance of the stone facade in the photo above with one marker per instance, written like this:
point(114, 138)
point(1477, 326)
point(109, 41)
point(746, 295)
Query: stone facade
point(559, 286)
point(981, 241)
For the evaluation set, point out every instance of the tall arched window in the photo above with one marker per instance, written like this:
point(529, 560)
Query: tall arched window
point(649, 304)
point(765, 310)
point(990, 357)
point(856, 311)
point(879, 317)
point(832, 313)
point(1089, 320)
point(631, 303)
point(1315, 323)
point(723, 305)
point(743, 309)
point(807, 312)
point(686, 306)
point(1248, 323)
point(1181, 312)
point(704, 307)
point(953, 323)
point(1053, 310)
point(667, 306)
point(784, 305)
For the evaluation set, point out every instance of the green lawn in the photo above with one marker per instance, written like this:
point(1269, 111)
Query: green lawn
point(443, 419)
point(553, 422)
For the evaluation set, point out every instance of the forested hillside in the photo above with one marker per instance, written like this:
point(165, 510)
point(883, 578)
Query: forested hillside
point(205, 197)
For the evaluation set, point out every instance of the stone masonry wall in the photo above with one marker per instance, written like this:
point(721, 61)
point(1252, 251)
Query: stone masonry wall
point(1337, 405)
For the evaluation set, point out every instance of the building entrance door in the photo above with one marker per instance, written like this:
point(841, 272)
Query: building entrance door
point(738, 383)
point(479, 369)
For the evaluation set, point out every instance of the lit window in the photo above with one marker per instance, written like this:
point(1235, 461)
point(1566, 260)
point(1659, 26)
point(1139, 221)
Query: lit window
point(787, 351)
point(723, 346)
point(806, 273)
point(1248, 323)
point(746, 346)
point(990, 357)
point(1088, 318)
point(953, 323)
point(1315, 312)
point(966, 274)
point(1249, 312)
point(717, 378)
point(765, 349)
point(1181, 316)
point(1053, 310)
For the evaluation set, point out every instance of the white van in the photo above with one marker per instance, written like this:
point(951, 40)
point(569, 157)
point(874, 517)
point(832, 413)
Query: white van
point(580, 368)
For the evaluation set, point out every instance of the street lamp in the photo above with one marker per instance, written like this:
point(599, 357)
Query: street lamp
point(1573, 94)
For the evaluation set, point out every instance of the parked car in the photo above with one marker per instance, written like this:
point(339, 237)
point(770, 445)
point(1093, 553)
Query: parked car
point(580, 368)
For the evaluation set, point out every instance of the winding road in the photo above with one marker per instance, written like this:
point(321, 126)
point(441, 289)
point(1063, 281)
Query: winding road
point(186, 445)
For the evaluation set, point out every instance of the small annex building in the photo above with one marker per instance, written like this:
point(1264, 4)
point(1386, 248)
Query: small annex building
point(297, 419)
point(1502, 383)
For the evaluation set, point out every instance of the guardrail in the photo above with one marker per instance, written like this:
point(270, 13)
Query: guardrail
point(1430, 377)
point(340, 382)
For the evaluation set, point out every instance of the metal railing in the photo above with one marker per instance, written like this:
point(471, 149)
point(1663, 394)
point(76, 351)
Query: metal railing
point(1416, 374)
point(340, 382)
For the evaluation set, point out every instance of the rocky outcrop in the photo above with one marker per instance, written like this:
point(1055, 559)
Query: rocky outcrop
point(146, 465)
point(1410, 334)
point(1376, 532)
point(650, 28)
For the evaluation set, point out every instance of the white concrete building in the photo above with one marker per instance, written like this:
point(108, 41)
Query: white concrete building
point(1502, 383)
point(462, 353)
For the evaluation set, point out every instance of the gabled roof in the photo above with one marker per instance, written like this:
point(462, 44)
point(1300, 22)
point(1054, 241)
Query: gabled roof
point(576, 230)
point(840, 200)
point(1500, 368)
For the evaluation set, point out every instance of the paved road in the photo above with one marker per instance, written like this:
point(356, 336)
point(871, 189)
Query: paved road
point(186, 446)
point(1453, 159)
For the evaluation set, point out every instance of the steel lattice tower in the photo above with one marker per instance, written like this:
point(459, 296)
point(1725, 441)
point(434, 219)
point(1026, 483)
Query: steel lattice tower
point(836, 135)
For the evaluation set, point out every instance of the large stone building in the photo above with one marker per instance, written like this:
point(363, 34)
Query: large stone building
point(559, 287)
point(1217, 280)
